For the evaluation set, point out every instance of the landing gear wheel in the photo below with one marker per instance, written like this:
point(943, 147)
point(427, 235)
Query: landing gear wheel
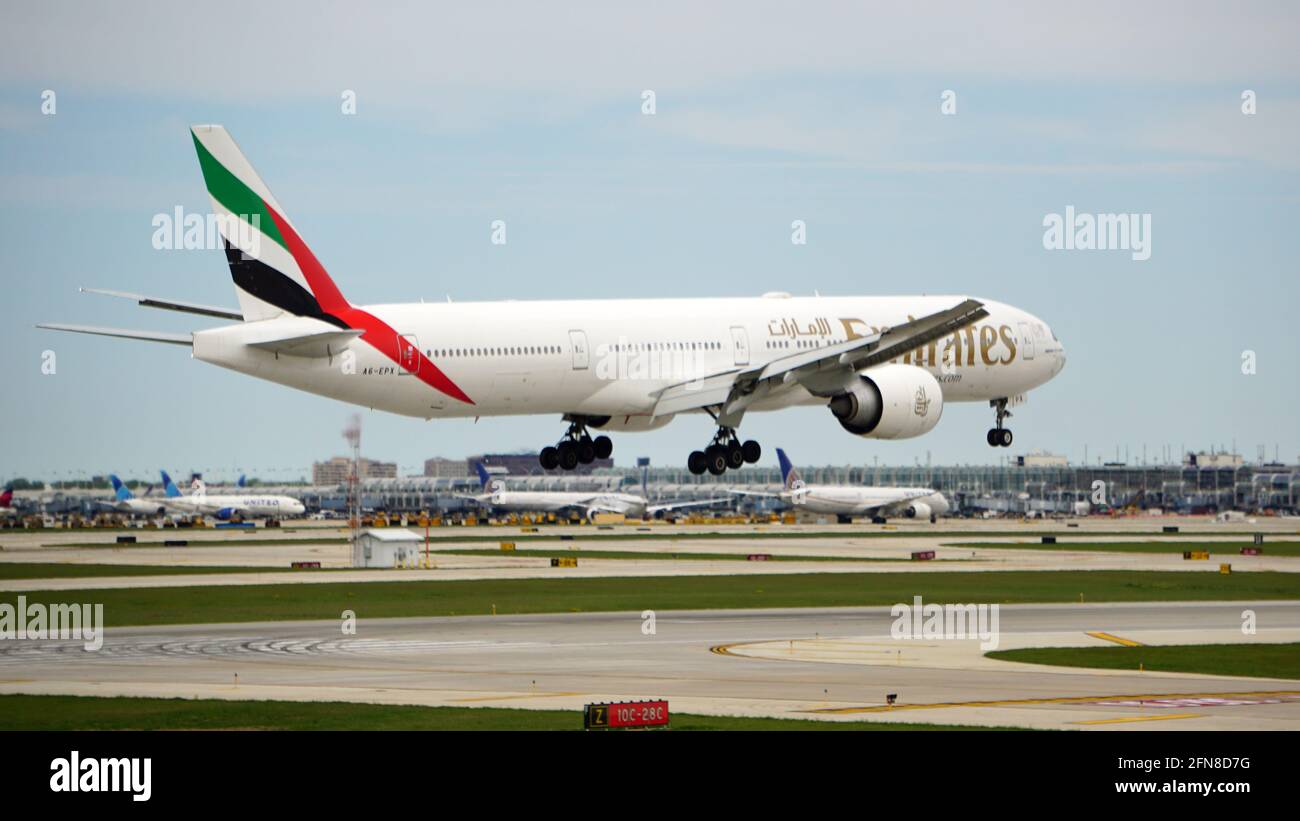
point(568, 453)
point(586, 450)
point(697, 462)
point(735, 455)
point(716, 459)
point(999, 436)
point(752, 452)
point(549, 458)
point(604, 446)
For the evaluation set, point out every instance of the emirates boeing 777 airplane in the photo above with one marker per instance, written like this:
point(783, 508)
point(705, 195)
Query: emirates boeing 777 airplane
point(884, 366)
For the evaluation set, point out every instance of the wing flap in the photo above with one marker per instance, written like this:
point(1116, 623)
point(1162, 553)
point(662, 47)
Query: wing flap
point(698, 393)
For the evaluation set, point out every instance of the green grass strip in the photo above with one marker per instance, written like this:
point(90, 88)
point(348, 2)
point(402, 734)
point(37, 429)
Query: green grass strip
point(22, 712)
point(281, 602)
point(1260, 660)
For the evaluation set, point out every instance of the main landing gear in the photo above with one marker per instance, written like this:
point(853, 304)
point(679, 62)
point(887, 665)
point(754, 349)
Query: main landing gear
point(999, 436)
point(576, 446)
point(725, 452)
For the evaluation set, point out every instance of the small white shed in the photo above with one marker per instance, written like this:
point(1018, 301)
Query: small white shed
point(387, 547)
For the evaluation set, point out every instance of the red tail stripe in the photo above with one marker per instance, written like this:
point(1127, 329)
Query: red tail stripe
point(377, 333)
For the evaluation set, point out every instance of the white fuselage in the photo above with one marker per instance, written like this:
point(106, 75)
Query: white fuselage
point(253, 507)
point(846, 500)
point(141, 507)
point(541, 501)
point(609, 358)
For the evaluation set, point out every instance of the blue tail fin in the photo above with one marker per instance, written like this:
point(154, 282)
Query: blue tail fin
point(483, 477)
point(121, 491)
point(789, 476)
point(242, 481)
point(169, 487)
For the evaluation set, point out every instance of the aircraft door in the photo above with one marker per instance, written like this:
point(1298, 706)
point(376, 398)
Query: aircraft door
point(740, 344)
point(581, 357)
point(408, 353)
point(1026, 341)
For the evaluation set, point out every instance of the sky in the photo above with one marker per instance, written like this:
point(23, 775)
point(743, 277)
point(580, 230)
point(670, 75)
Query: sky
point(764, 113)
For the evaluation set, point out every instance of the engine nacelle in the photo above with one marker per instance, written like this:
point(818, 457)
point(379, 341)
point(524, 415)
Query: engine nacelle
point(628, 423)
point(918, 510)
point(226, 513)
point(890, 402)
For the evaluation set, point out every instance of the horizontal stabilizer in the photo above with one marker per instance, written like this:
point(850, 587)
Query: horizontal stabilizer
point(122, 333)
point(170, 304)
point(300, 336)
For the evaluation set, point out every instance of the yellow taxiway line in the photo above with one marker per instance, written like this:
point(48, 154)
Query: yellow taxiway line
point(1137, 718)
point(1097, 634)
point(1020, 702)
point(519, 696)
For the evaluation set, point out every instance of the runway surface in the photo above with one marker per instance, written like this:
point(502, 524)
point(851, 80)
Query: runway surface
point(829, 664)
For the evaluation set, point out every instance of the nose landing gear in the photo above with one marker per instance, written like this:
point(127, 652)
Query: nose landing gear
point(726, 452)
point(999, 436)
point(574, 448)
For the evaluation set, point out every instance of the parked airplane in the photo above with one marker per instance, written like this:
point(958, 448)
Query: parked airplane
point(6, 502)
point(884, 366)
point(588, 503)
point(124, 501)
point(846, 501)
point(244, 505)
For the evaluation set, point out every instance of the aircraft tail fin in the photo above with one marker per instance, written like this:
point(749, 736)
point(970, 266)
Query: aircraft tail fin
point(789, 476)
point(7, 497)
point(120, 491)
point(275, 273)
point(169, 487)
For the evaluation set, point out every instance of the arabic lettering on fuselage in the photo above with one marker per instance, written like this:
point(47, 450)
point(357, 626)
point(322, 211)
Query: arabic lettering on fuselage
point(995, 344)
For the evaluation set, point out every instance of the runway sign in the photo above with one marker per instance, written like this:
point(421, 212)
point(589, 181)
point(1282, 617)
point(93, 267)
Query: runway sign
point(564, 561)
point(625, 715)
point(1196, 555)
point(923, 555)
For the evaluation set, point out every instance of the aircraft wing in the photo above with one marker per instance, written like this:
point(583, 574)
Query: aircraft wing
point(755, 493)
point(733, 390)
point(899, 502)
point(299, 336)
point(652, 509)
point(122, 333)
point(170, 304)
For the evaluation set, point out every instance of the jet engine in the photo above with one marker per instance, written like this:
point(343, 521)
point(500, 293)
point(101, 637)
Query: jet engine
point(890, 402)
point(918, 510)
